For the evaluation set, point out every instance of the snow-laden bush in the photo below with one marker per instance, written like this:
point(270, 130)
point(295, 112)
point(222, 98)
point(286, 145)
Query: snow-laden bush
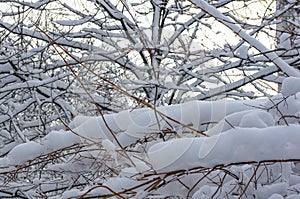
point(252, 151)
point(166, 94)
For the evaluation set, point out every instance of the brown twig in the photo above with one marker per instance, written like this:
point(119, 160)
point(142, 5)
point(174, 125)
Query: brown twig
point(248, 183)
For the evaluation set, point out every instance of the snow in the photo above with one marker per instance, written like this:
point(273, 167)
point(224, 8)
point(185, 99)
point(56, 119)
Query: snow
point(73, 193)
point(294, 196)
point(272, 56)
point(138, 123)
point(24, 152)
point(290, 86)
point(280, 189)
point(244, 134)
point(276, 196)
point(242, 51)
point(233, 146)
point(247, 118)
point(108, 145)
point(116, 184)
point(204, 192)
point(257, 119)
point(175, 149)
point(285, 41)
point(138, 46)
point(38, 4)
point(249, 131)
point(59, 139)
point(73, 22)
point(199, 149)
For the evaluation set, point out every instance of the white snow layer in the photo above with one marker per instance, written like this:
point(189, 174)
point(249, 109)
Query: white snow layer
point(233, 146)
point(241, 132)
point(22, 153)
point(140, 122)
point(272, 56)
point(290, 86)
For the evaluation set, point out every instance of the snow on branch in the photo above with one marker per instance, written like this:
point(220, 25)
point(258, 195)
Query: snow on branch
point(140, 64)
point(247, 132)
point(247, 120)
point(272, 56)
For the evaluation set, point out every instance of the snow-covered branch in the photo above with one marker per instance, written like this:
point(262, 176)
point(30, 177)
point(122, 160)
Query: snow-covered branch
point(272, 56)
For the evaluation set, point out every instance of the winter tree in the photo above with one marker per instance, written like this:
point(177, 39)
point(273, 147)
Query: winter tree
point(149, 99)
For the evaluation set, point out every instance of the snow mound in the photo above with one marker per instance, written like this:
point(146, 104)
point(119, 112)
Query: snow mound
point(290, 86)
point(24, 152)
point(233, 146)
